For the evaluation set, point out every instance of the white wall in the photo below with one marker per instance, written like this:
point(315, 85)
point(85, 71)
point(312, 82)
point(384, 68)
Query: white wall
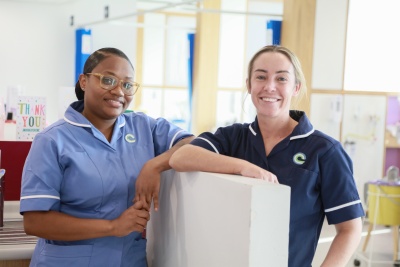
point(372, 46)
point(329, 44)
point(37, 50)
point(364, 125)
point(329, 121)
point(38, 44)
point(216, 220)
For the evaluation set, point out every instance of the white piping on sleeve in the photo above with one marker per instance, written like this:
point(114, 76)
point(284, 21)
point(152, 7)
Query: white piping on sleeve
point(211, 144)
point(343, 206)
point(39, 196)
point(173, 139)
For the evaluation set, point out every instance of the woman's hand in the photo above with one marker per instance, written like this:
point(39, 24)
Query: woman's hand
point(194, 158)
point(134, 219)
point(148, 185)
point(250, 170)
point(55, 225)
point(148, 181)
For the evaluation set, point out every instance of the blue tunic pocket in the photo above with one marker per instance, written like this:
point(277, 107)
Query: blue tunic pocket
point(136, 256)
point(55, 255)
point(296, 176)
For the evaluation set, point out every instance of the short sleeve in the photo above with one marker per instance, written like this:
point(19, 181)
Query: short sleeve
point(338, 189)
point(166, 134)
point(41, 176)
point(219, 142)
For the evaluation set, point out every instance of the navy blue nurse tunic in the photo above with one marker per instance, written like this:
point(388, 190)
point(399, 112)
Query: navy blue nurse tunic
point(314, 165)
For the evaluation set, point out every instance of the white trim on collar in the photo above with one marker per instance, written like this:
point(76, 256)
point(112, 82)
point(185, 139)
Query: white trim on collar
point(122, 124)
point(77, 124)
point(252, 131)
point(302, 135)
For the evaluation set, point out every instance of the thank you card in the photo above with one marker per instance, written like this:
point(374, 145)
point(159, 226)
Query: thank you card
point(31, 116)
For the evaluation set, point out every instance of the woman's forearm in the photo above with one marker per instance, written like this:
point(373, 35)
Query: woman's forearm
point(161, 162)
point(344, 244)
point(54, 225)
point(193, 158)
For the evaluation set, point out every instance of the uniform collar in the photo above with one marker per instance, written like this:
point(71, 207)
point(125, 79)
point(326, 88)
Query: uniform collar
point(303, 129)
point(74, 116)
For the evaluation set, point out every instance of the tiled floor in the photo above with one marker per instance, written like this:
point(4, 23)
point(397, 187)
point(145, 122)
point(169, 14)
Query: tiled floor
point(379, 252)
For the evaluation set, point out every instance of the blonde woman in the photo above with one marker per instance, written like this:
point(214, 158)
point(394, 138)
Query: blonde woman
point(281, 146)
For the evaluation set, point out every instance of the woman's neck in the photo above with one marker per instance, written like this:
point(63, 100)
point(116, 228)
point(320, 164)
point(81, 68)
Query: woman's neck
point(106, 127)
point(276, 127)
point(274, 130)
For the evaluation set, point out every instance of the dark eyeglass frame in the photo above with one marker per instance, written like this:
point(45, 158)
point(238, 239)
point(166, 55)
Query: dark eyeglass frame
point(119, 82)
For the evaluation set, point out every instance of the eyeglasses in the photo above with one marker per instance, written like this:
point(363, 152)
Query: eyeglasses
point(109, 82)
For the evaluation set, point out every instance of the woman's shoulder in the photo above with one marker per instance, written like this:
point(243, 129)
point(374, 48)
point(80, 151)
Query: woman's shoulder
point(141, 118)
point(323, 137)
point(235, 127)
point(136, 117)
point(58, 126)
point(139, 115)
point(324, 142)
point(234, 131)
point(53, 134)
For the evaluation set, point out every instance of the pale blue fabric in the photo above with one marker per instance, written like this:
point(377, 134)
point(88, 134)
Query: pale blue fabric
point(72, 168)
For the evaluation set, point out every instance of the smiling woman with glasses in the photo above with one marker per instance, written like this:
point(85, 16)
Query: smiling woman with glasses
point(109, 82)
point(90, 178)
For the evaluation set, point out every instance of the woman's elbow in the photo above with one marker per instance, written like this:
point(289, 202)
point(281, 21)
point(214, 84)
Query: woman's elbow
point(174, 161)
point(32, 222)
point(177, 160)
point(28, 225)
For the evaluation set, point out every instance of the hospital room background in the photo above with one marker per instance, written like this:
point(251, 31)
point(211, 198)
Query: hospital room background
point(190, 58)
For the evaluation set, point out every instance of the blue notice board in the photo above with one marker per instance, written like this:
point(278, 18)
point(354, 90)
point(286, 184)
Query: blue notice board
point(83, 50)
point(275, 27)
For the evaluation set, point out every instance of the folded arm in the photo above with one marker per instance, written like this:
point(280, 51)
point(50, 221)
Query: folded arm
point(148, 181)
point(54, 225)
point(194, 158)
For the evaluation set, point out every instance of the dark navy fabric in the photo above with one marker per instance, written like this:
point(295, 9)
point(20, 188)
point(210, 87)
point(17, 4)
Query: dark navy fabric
point(314, 165)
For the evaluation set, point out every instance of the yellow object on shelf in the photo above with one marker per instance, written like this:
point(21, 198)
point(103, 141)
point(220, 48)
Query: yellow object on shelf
point(384, 203)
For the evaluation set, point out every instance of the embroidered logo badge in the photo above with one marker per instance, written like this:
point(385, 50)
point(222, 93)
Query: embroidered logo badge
point(299, 158)
point(130, 138)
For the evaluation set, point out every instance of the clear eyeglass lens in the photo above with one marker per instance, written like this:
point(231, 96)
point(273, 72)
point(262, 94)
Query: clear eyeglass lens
point(127, 86)
point(108, 82)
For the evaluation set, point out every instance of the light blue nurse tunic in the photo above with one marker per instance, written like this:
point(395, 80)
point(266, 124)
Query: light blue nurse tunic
point(73, 169)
